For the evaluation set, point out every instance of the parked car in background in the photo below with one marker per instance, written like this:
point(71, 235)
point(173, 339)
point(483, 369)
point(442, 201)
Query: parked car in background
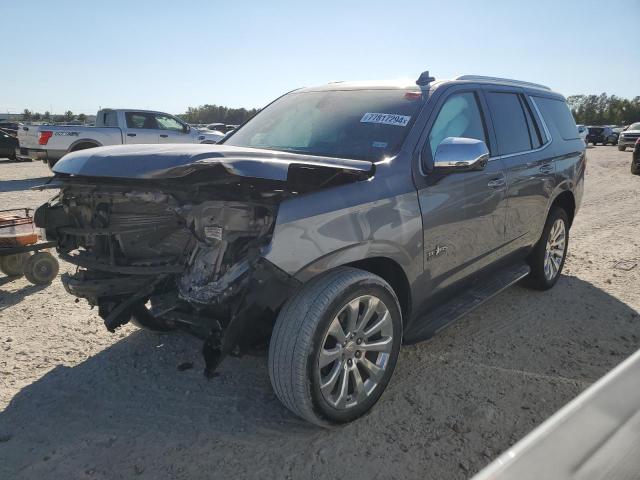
point(8, 145)
point(635, 160)
point(583, 131)
point(340, 221)
point(10, 127)
point(629, 136)
point(603, 135)
point(113, 127)
point(221, 127)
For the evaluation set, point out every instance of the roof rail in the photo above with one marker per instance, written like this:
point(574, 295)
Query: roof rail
point(503, 81)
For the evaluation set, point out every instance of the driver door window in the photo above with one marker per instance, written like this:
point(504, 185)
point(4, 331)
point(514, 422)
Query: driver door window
point(165, 122)
point(459, 117)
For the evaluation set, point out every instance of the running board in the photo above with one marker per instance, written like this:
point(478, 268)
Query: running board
point(447, 313)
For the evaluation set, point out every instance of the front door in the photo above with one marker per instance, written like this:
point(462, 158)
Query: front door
point(463, 213)
point(171, 130)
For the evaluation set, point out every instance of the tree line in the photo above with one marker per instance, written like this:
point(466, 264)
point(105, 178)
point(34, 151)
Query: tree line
point(600, 109)
point(604, 109)
point(218, 114)
point(29, 116)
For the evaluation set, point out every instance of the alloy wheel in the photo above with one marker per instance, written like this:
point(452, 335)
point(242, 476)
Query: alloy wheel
point(555, 249)
point(355, 352)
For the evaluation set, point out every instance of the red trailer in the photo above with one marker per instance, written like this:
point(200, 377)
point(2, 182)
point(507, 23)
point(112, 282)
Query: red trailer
point(22, 252)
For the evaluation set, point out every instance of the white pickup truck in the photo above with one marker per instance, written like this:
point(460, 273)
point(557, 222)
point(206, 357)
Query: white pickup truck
point(49, 143)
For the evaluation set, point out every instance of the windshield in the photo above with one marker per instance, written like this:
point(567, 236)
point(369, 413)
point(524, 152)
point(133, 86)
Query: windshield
point(634, 126)
point(357, 124)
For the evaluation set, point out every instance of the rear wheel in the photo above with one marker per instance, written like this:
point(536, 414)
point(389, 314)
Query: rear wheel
point(335, 345)
point(13, 265)
point(548, 256)
point(635, 168)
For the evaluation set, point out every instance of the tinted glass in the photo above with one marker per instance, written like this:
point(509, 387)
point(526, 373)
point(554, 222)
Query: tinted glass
point(140, 120)
point(358, 124)
point(110, 119)
point(534, 131)
point(557, 112)
point(459, 117)
point(634, 126)
point(509, 122)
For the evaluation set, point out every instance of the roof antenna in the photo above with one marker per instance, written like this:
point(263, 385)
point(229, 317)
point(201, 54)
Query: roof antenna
point(424, 79)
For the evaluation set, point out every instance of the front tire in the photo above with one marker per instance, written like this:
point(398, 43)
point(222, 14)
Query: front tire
point(548, 256)
point(335, 345)
point(41, 268)
point(621, 148)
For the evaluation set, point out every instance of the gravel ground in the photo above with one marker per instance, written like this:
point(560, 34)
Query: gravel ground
point(78, 402)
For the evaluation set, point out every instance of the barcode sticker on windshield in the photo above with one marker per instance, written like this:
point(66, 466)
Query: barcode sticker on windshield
point(386, 118)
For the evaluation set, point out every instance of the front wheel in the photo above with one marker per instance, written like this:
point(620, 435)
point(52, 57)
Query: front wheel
point(622, 148)
point(548, 256)
point(335, 345)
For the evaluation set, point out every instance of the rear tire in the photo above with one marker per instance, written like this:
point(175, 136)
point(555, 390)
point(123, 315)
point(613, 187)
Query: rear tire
point(335, 345)
point(548, 256)
point(13, 265)
point(635, 168)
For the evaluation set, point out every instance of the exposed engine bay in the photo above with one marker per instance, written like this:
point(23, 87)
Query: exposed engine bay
point(168, 260)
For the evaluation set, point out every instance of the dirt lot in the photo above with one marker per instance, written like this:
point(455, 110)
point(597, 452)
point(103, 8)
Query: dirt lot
point(78, 402)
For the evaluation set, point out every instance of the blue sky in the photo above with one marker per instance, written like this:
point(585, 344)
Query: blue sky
point(168, 55)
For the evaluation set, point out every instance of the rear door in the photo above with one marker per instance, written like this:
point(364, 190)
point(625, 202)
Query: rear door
point(141, 127)
point(463, 213)
point(522, 140)
point(172, 130)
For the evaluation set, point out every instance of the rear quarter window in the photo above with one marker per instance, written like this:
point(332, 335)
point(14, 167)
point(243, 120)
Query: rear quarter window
point(557, 112)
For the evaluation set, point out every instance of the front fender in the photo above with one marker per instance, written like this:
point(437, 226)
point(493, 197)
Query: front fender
point(313, 234)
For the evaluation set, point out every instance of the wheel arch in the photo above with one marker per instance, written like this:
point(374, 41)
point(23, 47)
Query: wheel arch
point(84, 141)
point(387, 266)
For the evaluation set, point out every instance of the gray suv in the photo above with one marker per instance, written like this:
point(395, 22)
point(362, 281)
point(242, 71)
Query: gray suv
point(337, 224)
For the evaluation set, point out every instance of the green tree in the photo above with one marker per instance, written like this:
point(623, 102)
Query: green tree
point(26, 115)
point(82, 117)
point(46, 116)
point(68, 116)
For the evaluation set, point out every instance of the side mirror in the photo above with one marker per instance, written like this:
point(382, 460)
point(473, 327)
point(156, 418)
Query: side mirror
point(187, 129)
point(455, 154)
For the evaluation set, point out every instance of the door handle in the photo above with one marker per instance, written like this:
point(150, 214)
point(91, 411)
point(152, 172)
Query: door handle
point(131, 134)
point(164, 135)
point(546, 168)
point(496, 183)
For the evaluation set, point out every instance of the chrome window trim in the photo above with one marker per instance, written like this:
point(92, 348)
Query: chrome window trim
point(541, 147)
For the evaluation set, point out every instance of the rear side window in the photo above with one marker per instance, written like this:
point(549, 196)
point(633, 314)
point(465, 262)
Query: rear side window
point(141, 120)
point(510, 122)
point(110, 119)
point(558, 113)
point(534, 129)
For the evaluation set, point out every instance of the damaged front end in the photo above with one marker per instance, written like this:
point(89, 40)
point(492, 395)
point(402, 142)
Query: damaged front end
point(172, 237)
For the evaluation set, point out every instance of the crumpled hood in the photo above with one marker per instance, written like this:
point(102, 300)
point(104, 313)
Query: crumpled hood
point(179, 160)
